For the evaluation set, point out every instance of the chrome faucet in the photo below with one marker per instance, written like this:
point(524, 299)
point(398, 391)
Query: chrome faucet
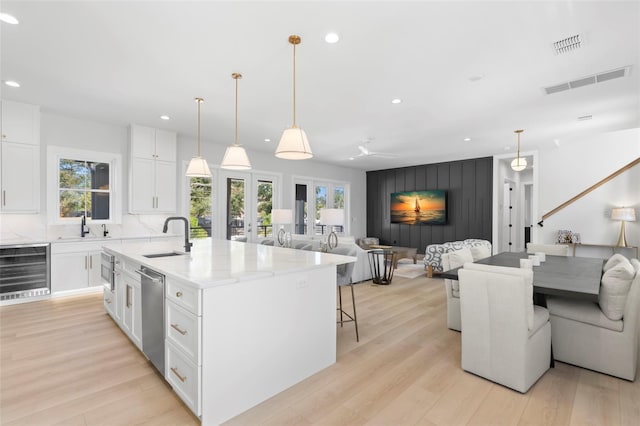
point(83, 227)
point(187, 244)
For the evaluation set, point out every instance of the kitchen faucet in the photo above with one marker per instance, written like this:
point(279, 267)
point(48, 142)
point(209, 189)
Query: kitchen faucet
point(187, 244)
point(83, 226)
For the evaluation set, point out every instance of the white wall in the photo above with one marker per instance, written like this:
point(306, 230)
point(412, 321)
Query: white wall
point(574, 166)
point(77, 133)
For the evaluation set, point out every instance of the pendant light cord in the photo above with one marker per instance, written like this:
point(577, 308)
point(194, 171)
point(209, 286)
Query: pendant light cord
point(236, 142)
point(294, 85)
point(199, 101)
point(518, 133)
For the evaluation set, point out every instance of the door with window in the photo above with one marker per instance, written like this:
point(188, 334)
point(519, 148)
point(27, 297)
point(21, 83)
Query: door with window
point(248, 203)
point(311, 197)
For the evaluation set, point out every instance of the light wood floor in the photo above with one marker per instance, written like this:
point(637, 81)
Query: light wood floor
point(65, 362)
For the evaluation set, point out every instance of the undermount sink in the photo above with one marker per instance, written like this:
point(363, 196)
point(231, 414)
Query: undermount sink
point(171, 253)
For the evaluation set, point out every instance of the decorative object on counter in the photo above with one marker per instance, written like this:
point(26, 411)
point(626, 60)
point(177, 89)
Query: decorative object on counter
point(331, 218)
point(198, 166)
point(519, 163)
point(294, 144)
point(187, 244)
point(235, 158)
point(566, 236)
point(623, 214)
point(282, 217)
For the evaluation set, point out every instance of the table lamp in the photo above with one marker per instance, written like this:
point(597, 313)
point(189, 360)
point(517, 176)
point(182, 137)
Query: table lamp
point(623, 214)
point(331, 218)
point(281, 217)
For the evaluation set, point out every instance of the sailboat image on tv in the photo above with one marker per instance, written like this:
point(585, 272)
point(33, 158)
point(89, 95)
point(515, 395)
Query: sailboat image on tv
point(419, 207)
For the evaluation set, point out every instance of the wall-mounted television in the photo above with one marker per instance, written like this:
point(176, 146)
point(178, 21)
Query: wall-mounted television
point(419, 207)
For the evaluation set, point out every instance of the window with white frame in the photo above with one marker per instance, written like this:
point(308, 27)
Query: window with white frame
point(82, 184)
point(311, 197)
point(200, 206)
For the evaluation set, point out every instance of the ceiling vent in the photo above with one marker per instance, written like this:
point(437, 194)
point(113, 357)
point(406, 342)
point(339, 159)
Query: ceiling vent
point(568, 44)
point(586, 81)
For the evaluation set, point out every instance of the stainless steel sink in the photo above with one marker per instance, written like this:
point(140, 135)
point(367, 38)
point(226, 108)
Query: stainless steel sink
point(171, 253)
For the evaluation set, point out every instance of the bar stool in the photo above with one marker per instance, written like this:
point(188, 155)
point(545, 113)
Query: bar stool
point(344, 273)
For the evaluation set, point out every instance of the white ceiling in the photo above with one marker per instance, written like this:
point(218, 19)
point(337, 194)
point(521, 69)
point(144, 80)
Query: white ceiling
point(130, 62)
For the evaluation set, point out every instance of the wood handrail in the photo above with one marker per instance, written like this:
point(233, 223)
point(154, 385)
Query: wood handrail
point(588, 190)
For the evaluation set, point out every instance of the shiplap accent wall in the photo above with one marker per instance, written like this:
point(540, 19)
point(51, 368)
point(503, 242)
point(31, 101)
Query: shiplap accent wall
point(469, 186)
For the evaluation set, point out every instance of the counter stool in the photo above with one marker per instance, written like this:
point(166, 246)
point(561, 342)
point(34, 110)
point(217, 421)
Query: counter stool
point(344, 273)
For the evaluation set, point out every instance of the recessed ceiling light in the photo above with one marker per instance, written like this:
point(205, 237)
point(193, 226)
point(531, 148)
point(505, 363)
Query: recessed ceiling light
point(267, 140)
point(5, 17)
point(466, 139)
point(332, 38)
point(396, 101)
point(12, 83)
point(165, 117)
point(351, 158)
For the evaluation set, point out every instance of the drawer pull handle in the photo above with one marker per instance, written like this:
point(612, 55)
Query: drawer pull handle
point(175, 371)
point(178, 329)
point(179, 294)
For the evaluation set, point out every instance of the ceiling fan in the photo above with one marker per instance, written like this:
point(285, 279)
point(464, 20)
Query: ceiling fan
point(366, 152)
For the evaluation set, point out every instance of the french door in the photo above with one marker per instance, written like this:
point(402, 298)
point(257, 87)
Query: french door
point(246, 205)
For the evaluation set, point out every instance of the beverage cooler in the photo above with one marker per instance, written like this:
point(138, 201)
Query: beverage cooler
point(25, 270)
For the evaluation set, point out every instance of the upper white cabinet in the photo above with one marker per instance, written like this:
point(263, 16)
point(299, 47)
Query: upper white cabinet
point(152, 171)
point(20, 123)
point(20, 158)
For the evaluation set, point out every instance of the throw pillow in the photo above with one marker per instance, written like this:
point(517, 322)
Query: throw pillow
point(614, 289)
point(459, 257)
point(613, 261)
point(480, 252)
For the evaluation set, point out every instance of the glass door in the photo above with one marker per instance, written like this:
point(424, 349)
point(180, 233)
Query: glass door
point(237, 227)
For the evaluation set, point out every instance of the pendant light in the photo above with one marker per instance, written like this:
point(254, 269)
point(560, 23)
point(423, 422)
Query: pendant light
point(235, 158)
point(293, 143)
point(198, 166)
point(519, 163)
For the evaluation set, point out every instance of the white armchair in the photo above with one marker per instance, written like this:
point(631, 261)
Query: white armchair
point(505, 338)
point(452, 260)
point(583, 335)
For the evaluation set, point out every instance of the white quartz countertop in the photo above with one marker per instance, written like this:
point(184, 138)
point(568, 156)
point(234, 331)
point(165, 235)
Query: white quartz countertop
point(214, 262)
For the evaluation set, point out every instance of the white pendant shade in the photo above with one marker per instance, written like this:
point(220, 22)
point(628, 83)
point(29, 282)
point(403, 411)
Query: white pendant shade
point(294, 145)
point(235, 158)
point(519, 164)
point(198, 167)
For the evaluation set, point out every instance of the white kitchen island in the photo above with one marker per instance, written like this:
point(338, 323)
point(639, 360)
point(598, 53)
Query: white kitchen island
point(243, 321)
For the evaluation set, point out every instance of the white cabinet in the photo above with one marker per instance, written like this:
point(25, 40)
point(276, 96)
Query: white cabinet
point(183, 350)
point(20, 123)
point(20, 158)
point(110, 301)
point(20, 178)
point(132, 307)
point(75, 270)
point(152, 171)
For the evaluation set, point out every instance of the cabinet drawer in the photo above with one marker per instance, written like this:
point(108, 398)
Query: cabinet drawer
point(183, 329)
point(184, 296)
point(109, 300)
point(184, 376)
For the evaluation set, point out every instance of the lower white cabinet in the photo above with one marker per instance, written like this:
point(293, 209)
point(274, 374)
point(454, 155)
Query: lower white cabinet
point(75, 270)
point(110, 301)
point(130, 299)
point(184, 376)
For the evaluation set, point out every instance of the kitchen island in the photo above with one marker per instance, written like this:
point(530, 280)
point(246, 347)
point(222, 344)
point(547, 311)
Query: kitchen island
point(242, 323)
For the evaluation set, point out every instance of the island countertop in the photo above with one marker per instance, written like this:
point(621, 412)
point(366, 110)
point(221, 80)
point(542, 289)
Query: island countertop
point(214, 262)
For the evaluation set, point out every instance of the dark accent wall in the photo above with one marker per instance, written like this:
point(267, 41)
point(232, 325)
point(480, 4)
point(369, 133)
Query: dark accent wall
point(469, 186)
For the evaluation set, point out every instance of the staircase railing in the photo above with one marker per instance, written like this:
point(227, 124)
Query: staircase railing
point(588, 190)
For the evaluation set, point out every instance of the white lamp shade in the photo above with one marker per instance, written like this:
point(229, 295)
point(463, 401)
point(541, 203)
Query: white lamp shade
point(235, 158)
point(294, 145)
point(627, 214)
point(332, 217)
point(198, 167)
point(519, 164)
point(282, 216)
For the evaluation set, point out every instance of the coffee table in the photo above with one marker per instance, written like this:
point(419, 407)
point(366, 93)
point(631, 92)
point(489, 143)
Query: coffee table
point(401, 253)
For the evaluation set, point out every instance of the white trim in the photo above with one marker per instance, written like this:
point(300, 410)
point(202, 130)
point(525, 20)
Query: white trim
point(54, 153)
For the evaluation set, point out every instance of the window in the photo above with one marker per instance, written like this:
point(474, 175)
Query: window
point(200, 212)
point(264, 205)
point(315, 196)
point(82, 183)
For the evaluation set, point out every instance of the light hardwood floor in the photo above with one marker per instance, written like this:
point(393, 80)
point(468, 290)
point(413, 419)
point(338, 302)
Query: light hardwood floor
point(64, 361)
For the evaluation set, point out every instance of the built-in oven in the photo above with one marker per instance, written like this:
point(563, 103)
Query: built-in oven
point(25, 270)
point(107, 270)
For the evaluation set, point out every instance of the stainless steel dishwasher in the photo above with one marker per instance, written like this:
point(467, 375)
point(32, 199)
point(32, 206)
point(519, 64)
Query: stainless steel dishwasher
point(152, 302)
